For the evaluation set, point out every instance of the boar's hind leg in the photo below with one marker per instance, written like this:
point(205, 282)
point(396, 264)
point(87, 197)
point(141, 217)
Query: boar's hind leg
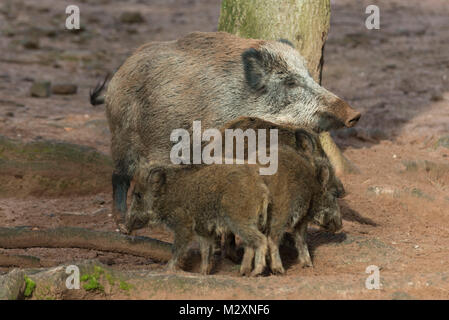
point(301, 245)
point(125, 160)
point(120, 186)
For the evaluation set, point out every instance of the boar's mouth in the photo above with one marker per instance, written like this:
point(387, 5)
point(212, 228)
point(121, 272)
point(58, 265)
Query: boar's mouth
point(327, 121)
point(333, 226)
point(336, 113)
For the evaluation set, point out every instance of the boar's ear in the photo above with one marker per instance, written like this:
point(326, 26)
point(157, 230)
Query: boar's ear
point(305, 141)
point(323, 176)
point(287, 42)
point(156, 178)
point(253, 66)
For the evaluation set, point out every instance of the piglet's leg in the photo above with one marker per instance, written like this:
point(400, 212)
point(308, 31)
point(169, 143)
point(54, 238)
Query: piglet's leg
point(275, 258)
point(207, 252)
point(301, 245)
point(180, 245)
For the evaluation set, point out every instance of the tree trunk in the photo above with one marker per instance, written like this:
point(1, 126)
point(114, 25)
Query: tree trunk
point(303, 22)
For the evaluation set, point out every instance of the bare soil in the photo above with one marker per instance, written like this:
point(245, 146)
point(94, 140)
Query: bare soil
point(396, 212)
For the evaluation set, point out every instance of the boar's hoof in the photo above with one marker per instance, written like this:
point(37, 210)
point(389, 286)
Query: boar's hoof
point(305, 262)
point(277, 269)
point(123, 229)
point(245, 270)
point(172, 266)
point(257, 272)
point(206, 270)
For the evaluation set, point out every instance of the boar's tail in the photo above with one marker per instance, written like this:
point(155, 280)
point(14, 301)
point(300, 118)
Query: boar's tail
point(94, 95)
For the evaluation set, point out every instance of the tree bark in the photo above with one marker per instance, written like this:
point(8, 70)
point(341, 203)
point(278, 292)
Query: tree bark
point(303, 22)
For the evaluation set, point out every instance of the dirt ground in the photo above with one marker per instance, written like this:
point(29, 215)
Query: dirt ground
point(396, 212)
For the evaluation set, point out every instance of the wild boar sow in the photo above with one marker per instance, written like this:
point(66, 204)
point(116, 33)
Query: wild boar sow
point(212, 77)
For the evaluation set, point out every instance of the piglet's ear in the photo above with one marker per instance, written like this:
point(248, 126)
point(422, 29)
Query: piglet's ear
point(323, 176)
point(305, 141)
point(254, 68)
point(157, 178)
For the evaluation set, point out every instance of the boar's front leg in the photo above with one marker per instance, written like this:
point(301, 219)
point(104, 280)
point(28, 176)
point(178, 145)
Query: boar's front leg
point(180, 245)
point(301, 245)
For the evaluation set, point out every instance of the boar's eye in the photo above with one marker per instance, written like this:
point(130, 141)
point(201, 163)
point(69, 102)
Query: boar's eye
point(291, 82)
point(138, 195)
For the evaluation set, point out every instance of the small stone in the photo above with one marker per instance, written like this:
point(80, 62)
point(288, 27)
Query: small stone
point(10, 114)
point(41, 89)
point(131, 17)
point(99, 200)
point(437, 96)
point(31, 43)
point(65, 88)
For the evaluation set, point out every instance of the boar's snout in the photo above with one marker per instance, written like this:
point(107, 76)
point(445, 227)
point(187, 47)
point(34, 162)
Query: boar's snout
point(353, 119)
point(123, 228)
point(338, 113)
point(347, 115)
point(335, 225)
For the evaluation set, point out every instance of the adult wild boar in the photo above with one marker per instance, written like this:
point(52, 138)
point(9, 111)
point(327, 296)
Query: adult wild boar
point(214, 77)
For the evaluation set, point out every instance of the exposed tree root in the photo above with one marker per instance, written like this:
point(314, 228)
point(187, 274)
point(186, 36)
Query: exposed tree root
point(71, 237)
point(19, 261)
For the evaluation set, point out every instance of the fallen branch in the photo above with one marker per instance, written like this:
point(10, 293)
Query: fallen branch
point(71, 237)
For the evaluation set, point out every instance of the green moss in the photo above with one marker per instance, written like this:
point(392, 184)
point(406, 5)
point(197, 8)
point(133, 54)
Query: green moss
point(95, 280)
point(92, 284)
point(30, 285)
point(125, 286)
point(110, 278)
point(92, 281)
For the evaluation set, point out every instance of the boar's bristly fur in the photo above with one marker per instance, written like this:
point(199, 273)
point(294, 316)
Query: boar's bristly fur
point(213, 77)
point(201, 201)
